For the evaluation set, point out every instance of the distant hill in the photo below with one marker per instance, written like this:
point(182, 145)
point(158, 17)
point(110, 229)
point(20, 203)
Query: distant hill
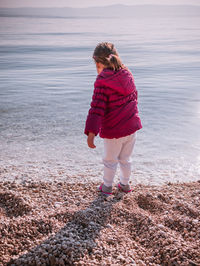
point(107, 11)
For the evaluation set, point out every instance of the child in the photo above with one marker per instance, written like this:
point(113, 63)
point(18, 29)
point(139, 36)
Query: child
point(114, 115)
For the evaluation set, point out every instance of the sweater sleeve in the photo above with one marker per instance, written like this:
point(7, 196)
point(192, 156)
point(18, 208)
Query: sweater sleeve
point(96, 112)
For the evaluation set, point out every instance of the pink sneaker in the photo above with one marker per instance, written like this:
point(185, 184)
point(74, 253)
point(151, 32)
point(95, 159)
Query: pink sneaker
point(105, 190)
point(124, 188)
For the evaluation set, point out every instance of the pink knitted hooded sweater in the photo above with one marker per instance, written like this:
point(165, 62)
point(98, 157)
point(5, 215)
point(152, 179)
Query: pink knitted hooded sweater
point(113, 112)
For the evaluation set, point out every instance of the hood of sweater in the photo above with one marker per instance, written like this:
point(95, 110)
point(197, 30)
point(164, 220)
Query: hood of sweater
point(121, 81)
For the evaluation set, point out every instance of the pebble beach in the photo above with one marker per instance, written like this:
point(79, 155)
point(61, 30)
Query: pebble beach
point(58, 223)
point(50, 210)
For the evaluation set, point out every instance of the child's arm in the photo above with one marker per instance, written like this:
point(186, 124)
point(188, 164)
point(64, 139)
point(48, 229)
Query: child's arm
point(90, 140)
point(95, 114)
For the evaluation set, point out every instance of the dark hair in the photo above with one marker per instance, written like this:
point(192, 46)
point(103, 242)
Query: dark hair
point(106, 54)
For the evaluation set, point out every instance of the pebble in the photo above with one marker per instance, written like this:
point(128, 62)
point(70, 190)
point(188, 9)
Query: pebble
point(161, 226)
point(57, 204)
point(195, 221)
point(109, 226)
point(141, 263)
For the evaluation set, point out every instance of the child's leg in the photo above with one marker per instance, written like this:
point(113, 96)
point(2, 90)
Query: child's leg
point(124, 158)
point(112, 148)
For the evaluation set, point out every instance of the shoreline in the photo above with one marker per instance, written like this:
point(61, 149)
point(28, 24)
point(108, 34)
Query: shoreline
point(59, 223)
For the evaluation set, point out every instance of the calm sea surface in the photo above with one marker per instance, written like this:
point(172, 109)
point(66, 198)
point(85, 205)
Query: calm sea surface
point(46, 84)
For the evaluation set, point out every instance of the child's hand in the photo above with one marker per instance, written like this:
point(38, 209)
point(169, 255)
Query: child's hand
point(90, 140)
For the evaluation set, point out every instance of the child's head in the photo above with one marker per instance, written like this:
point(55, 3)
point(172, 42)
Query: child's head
point(106, 56)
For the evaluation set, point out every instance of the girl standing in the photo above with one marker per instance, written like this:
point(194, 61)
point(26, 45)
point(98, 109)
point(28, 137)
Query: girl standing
point(114, 115)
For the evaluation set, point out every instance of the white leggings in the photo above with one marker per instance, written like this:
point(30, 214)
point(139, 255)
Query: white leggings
point(118, 151)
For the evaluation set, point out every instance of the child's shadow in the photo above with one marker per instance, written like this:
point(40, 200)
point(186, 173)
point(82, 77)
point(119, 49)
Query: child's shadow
point(75, 239)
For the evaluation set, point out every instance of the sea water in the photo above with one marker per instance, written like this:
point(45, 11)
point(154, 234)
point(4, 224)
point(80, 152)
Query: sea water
point(46, 83)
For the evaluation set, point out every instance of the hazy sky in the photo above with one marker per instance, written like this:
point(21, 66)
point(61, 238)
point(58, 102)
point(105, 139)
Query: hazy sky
point(87, 3)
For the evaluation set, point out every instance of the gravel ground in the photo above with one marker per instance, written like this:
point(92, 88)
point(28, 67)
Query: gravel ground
point(65, 224)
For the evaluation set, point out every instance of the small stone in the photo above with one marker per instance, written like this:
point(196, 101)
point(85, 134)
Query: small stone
point(141, 263)
point(109, 226)
point(61, 262)
point(120, 257)
point(161, 226)
point(195, 221)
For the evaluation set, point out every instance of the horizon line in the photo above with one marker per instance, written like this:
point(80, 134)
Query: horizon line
point(124, 5)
